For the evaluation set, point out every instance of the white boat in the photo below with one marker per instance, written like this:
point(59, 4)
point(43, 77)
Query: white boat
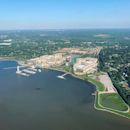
point(39, 70)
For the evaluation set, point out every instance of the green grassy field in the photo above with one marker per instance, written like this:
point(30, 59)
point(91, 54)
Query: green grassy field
point(109, 102)
point(99, 85)
point(113, 101)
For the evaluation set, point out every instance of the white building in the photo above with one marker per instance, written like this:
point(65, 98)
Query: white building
point(85, 66)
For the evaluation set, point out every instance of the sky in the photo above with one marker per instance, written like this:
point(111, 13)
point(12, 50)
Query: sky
point(64, 14)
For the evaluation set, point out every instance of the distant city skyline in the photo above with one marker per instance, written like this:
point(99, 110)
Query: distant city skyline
point(64, 14)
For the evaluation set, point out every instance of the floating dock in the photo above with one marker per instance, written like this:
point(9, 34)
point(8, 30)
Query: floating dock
point(62, 76)
point(29, 71)
point(33, 69)
point(21, 73)
point(26, 72)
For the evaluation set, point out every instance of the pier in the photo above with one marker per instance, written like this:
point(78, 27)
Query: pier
point(33, 69)
point(19, 72)
point(29, 71)
point(62, 76)
point(26, 71)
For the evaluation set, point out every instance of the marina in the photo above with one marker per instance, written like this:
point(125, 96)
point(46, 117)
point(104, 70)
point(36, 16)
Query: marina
point(26, 71)
point(51, 103)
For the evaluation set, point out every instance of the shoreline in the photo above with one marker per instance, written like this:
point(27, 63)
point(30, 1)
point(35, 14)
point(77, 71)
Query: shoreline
point(97, 104)
point(98, 107)
point(104, 109)
point(75, 76)
point(11, 59)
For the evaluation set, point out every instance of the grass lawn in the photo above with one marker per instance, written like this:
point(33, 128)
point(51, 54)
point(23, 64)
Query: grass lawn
point(99, 85)
point(113, 101)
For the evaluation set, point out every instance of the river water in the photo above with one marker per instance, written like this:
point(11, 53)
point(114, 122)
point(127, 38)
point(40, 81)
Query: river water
point(44, 102)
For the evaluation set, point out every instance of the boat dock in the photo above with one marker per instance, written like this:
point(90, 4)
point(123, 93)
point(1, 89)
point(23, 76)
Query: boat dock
point(22, 74)
point(26, 71)
point(62, 76)
point(33, 69)
point(29, 71)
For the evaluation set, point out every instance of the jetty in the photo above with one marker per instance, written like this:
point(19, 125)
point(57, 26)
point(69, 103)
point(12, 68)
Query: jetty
point(62, 76)
point(33, 69)
point(29, 71)
point(25, 72)
point(19, 72)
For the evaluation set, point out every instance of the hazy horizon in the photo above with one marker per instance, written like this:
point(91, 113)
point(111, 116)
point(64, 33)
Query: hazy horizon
point(65, 14)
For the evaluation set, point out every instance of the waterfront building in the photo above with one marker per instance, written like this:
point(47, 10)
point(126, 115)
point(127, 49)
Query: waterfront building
point(85, 66)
